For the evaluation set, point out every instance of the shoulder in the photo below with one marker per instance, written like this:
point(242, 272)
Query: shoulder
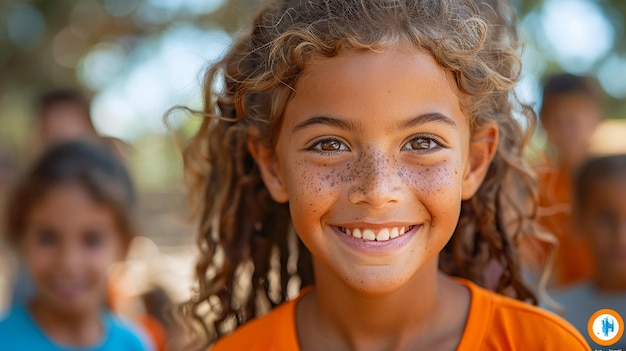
point(499, 322)
point(276, 331)
point(18, 332)
point(15, 318)
point(125, 335)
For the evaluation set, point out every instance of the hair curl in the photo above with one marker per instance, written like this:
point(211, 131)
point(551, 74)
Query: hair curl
point(242, 231)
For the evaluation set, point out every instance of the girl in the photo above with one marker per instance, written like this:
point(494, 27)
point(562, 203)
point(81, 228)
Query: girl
point(69, 219)
point(382, 133)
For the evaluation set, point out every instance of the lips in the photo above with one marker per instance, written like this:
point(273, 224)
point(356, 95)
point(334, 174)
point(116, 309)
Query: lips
point(379, 234)
point(68, 290)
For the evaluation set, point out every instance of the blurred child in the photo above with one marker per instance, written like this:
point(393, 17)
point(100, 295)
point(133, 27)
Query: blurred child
point(571, 110)
point(70, 219)
point(62, 115)
point(600, 219)
point(65, 115)
point(382, 133)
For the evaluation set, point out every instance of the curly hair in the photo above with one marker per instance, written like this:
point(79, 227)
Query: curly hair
point(246, 240)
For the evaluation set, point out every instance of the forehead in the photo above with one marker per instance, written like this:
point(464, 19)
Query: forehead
point(69, 202)
point(559, 104)
point(394, 82)
point(608, 190)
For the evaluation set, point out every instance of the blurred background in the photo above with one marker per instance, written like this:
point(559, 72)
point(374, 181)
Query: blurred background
point(136, 58)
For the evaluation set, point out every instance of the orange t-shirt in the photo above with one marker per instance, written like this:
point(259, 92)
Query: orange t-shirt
point(495, 322)
point(573, 260)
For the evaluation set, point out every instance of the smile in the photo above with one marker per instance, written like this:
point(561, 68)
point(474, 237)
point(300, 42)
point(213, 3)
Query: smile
point(382, 234)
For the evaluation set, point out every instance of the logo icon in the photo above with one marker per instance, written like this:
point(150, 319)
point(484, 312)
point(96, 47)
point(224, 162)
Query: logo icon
point(605, 327)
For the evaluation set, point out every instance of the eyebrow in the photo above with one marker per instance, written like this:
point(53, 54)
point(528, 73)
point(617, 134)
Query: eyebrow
point(328, 121)
point(351, 125)
point(426, 118)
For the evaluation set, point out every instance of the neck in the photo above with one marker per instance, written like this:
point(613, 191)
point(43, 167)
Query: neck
point(352, 320)
point(68, 328)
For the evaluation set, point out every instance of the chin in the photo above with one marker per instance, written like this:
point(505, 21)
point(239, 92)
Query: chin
point(376, 284)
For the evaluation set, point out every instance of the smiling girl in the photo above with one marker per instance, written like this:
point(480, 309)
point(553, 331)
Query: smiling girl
point(69, 220)
point(381, 133)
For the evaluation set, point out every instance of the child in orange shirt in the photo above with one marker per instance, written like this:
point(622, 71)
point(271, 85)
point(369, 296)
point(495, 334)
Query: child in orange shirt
point(570, 112)
point(367, 150)
point(599, 207)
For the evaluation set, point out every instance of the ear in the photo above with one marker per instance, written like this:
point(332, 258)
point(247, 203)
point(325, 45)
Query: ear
point(265, 158)
point(483, 146)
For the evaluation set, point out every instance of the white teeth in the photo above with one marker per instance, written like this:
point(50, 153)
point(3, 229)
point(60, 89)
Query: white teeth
point(369, 234)
point(394, 233)
point(383, 235)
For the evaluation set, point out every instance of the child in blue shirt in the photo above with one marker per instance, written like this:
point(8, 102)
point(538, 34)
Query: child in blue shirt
point(69, 220)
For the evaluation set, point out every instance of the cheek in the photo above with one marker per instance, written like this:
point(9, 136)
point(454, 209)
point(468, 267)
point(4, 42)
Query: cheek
point(39, 269)
point(314, 188)
point(439, 180)
point(37, 259)
point(102, 258)
point(598, 233)
point(601, 246)
point(311, 188)
point(438, 188)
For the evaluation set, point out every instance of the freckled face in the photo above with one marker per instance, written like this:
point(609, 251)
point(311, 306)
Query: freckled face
point(374, 142)
point(68, 245)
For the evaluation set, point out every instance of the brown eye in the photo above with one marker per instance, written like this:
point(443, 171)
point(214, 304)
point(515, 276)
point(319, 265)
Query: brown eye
point(329, 145)
point(46, 237)
point(92, 239)
point(421, 144)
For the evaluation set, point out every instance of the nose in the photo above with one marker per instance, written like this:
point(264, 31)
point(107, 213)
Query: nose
point(70, 258)
point(377, 180)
